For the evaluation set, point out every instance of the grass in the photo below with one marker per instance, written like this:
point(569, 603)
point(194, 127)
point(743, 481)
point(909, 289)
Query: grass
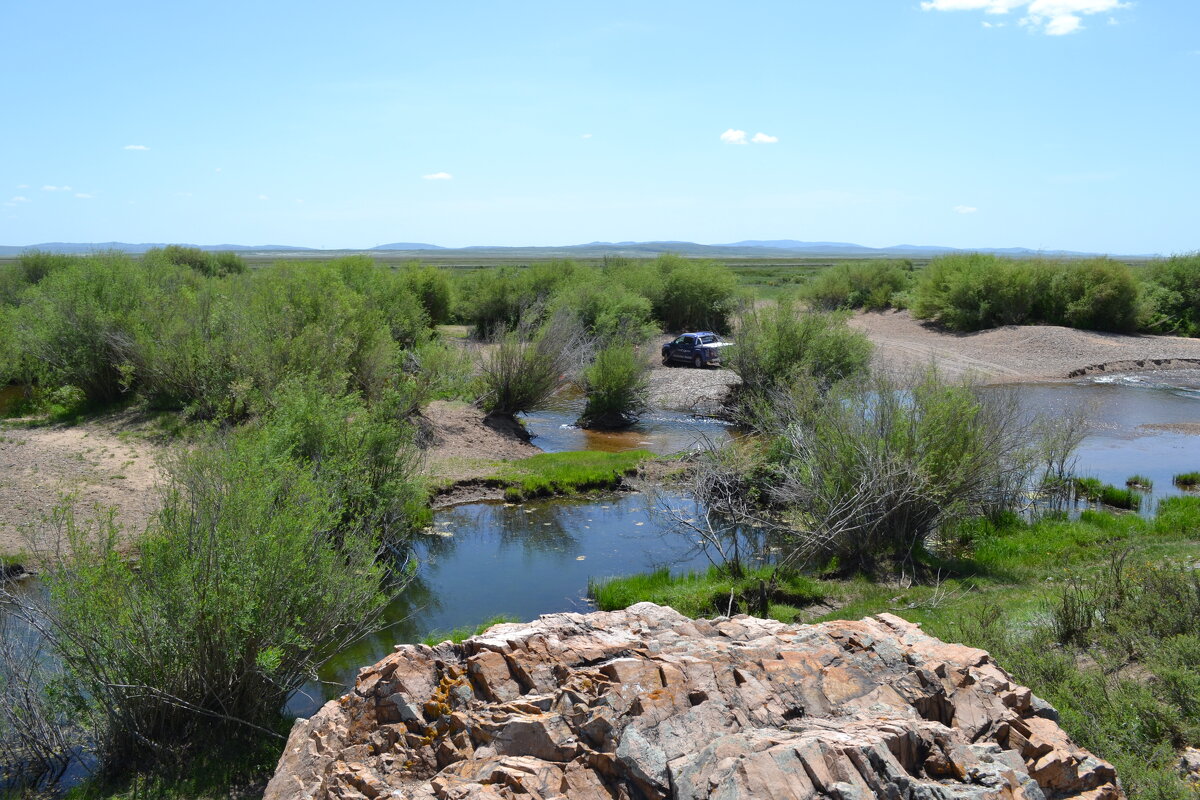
point(1187, 480)
point(1139, 482)
point(466, 632)
point(1126, 681)
point(1127, 499)
point(705, 594)
point(565, 473)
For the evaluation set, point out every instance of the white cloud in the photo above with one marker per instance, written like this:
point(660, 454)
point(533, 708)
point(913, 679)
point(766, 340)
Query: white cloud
point(84, 195)
point(218, 169)
point(17, 201)
point(56, 188)
point(586, 136)
point(1051, 17)
point(438, 176)
point(762, 138)
point(732, 136)
point(263, 197)
point(965, 209)
point(136, 147)
point(23, 186)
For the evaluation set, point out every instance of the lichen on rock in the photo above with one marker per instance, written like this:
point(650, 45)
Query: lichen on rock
point(646, 703)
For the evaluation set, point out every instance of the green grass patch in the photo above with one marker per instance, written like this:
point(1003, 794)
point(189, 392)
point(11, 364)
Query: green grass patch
point(1139, 482)
point(460, 634)
point(1126, 499)
point(1187, 480)
point(709, 593)
point(565, 473)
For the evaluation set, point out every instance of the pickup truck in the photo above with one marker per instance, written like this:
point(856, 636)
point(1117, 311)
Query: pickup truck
point(700, 349)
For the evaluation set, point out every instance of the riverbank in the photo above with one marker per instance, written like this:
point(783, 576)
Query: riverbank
point(1015, 353)
point(107, 462)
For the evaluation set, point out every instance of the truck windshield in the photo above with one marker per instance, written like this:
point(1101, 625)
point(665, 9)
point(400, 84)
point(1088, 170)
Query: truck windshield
point(710, 339)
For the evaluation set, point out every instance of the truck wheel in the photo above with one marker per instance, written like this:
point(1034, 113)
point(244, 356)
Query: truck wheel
point(697, 362)
point(666, 361)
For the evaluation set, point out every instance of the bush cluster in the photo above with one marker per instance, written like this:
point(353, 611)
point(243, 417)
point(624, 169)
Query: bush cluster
point(871, 285)
point(217, 343)
point(624, 298)
point(968, 292)
point(779, 346)
point(278, 544)
point(616, 386)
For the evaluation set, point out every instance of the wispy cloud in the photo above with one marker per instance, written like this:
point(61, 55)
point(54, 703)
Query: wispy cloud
point(16, 201)
point(438, 176)
point(1051, 17)
point(23, 186)
point(762, 138)
point(84, 195)
point(586, 136)
point(49, 188)
point(263, 197)
point(733, 136)
point(135, 147)
point(965, 209)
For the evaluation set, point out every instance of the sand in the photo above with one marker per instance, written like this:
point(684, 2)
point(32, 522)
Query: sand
point(1019, 353)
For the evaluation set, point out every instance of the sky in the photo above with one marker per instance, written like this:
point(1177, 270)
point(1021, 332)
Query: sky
point(1049, 124)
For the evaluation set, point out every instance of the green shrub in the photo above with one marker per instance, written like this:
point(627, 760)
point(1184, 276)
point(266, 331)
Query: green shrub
point(431, 287)
point(968, 292)
point(876, 468)
point(695, 295)
point(204, 263)
point(1174, 286)
point(525, 369)
point(1095, 294)
point(872, 285)
point(608, 311)
point(617, 387)
point(240, 593)
point(79, 325)
point(775, 346)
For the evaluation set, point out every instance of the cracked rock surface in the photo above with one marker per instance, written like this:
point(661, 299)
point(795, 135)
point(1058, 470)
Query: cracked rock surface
point(646, 703)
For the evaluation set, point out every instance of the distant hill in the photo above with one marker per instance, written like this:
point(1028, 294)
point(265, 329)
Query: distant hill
point(408, 246)
point(749, 248)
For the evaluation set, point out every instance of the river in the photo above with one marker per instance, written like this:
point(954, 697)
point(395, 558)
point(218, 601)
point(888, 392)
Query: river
point(485, 559)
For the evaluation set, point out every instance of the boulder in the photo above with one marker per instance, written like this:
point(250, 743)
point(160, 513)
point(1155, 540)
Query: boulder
point(646, 703)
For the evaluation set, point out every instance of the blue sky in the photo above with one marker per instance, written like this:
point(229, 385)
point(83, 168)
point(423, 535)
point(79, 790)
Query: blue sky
point(1039, 123)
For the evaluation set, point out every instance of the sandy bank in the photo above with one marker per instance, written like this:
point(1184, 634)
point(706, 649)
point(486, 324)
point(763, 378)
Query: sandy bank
point(103, 463)
point(1019, 353)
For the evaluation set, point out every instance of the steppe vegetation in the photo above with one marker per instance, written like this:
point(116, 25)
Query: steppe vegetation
point(974, 291)
point(290, 396)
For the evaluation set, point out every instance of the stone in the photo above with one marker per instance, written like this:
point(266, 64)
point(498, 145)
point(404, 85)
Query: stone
point(646, 703)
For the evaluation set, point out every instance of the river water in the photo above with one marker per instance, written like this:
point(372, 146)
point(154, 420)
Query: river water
point(485, 559)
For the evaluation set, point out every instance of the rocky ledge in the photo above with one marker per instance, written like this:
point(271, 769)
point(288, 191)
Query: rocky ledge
point(647, 703)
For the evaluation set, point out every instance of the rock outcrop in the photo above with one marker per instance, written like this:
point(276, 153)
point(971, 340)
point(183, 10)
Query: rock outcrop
point(647, 703)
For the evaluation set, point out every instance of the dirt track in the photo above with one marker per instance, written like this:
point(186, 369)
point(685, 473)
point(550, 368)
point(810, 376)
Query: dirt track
point(1019, 353)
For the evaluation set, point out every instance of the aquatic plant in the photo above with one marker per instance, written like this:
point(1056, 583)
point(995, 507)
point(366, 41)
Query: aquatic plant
point(1139, 482)
point(1187, 480)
